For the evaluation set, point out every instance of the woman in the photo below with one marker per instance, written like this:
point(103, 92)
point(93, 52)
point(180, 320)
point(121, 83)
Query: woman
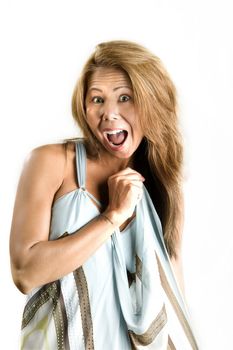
point(94, 235)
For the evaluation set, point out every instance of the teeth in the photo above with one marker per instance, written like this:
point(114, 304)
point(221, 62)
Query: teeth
point(114, 132)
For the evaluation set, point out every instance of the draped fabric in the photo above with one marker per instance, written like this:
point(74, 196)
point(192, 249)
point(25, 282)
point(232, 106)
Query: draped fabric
point(125, 296)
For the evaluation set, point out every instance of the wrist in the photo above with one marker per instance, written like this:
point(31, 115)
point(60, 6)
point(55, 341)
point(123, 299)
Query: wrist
point(112, 217)
point(107, 219)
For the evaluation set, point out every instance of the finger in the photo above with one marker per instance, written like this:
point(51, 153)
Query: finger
point(126, 184)
point(127, 171)
point(129, 177)
point(137, 184)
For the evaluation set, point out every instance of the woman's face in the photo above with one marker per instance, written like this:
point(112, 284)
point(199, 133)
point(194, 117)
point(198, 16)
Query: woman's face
point(111, 113)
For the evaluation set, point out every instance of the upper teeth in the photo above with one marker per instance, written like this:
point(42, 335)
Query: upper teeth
point(114, 132)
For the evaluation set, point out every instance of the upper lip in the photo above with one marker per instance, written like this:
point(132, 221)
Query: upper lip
point(106, 130)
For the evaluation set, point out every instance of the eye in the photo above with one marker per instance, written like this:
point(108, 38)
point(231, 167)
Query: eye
point(97, 99)
point(124, 98)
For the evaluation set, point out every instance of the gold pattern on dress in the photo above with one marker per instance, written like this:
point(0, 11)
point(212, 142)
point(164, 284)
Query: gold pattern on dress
point(61, 324)
point(149, 336)
point(138, 267)
point(82, 287)
point(170, 345)
point(51, 291)
point(179, 312)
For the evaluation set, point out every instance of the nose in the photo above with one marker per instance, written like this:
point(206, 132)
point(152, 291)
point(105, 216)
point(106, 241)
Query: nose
point(110, 111)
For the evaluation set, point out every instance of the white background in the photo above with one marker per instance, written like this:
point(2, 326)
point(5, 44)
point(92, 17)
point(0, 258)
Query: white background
point(43, 47)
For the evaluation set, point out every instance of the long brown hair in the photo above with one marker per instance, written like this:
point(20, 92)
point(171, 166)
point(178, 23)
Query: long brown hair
point(161, 150)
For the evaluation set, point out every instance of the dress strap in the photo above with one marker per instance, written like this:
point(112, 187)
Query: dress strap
point(81, 167)
point(81, 164)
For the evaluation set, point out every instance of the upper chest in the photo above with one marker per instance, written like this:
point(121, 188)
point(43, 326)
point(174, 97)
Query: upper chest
point(94, 175)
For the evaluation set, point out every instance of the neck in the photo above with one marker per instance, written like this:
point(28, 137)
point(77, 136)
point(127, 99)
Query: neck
point(110, 162)
point(114, 163)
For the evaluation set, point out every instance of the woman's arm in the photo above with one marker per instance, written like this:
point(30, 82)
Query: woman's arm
point(35, 260)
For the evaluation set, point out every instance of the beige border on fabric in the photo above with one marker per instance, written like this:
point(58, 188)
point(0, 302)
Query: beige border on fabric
point(179, 312)
point(138, 267)
point(51, 291)
point(82, 287)
point(170, 345)
point(149, 336)
point(61, 324)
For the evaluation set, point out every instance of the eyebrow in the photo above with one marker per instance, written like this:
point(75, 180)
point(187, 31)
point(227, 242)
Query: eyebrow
point(117, 88)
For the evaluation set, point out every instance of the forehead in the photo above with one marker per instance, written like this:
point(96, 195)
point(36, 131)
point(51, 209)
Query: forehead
point(108, 76)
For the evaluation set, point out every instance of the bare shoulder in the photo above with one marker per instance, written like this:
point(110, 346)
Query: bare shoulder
point(44, 165)
point(47, 153)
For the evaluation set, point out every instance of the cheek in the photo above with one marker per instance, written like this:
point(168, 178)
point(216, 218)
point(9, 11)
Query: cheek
point(88, 112)
point(93, 111)
point(90, 116)
point(128, 113)
point(132, 119)
point(137, 129)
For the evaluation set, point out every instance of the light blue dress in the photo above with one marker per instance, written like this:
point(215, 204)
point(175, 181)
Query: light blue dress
point(123, 297)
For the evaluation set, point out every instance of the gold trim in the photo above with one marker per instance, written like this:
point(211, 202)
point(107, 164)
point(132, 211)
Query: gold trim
point(49, 291)
point(82, 287)
point(138, 267)
point(179, 312)
point(170, 345)
point(61, 324)
point(154, 329)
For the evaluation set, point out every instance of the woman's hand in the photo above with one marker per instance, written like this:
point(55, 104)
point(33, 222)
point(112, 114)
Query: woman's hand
point(125, 191)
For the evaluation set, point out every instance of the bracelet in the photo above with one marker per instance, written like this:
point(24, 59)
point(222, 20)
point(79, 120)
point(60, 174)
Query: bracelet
point(107, 219)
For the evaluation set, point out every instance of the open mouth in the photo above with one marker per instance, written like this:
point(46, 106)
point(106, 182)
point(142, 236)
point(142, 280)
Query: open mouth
point(116, 137)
